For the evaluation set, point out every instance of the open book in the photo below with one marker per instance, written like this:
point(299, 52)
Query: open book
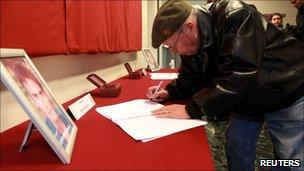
point(135, 118)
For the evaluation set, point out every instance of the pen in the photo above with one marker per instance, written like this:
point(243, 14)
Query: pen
point(157, 88)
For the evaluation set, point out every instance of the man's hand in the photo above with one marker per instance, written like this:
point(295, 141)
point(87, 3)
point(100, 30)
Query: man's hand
point(172, 111)
point(159, 96)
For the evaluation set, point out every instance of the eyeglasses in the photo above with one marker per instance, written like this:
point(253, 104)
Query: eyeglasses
point(173, 46)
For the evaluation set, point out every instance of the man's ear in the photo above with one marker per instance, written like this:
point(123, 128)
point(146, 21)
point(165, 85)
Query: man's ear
point(190, 27)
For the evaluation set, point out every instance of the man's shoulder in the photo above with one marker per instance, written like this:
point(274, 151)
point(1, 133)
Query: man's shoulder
point(226, 6)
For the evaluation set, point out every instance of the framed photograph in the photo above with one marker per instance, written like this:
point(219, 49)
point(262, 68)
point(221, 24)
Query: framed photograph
point(21, 77)
point(150, 59)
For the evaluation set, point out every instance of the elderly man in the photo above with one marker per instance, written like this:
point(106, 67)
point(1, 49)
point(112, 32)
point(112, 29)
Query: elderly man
point(233, 60)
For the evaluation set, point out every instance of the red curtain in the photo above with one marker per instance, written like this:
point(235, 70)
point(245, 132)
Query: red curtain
point(67, 26)
point(36, 26)
point(103, 26)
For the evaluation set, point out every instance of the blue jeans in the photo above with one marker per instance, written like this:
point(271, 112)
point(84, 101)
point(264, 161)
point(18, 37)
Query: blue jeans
point(286, 129)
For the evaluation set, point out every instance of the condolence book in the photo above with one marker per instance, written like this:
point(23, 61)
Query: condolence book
point(135, 118)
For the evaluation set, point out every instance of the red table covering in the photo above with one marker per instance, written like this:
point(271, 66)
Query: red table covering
point(103, 145)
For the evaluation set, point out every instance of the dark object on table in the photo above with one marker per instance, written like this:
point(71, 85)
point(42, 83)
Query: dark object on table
point(133, 74)
point(106, 90)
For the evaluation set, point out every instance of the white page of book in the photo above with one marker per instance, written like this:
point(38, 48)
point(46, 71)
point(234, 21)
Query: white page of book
point(135, 118)
point(163, 76)
point(148, 127)
point(149, 139)
point(130, 109)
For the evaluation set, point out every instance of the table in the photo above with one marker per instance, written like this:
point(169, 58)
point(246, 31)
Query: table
point(102, 145)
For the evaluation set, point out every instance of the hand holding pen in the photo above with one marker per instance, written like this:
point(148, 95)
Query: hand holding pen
point(157, 88)
point(156, 93)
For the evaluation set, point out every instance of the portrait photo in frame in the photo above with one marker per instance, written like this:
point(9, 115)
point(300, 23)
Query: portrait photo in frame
point(24, 81)
point(150, 59)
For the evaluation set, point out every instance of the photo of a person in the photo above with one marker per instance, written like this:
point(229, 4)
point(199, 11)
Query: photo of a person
point(150, 60)
point(41, 99)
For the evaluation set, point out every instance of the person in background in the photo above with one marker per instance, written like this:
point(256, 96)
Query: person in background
point(299, 32)
point(233, 60)
point(277, 20)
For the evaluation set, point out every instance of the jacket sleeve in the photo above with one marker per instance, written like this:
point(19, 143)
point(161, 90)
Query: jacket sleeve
point(189, 80)
point(240, 47)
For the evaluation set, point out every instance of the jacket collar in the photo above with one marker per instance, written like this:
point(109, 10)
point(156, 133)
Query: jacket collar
point(206, 27)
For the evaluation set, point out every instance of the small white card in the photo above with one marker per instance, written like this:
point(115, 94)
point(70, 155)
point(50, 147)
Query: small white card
point(82, 106)
point(163, 76)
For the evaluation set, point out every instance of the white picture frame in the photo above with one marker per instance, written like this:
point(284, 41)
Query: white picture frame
point(24, 81)
point(150, 59)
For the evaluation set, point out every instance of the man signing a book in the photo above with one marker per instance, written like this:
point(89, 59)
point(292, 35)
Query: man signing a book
point(234, 61)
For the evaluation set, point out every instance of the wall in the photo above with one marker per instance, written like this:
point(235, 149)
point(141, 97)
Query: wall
point(149, 9)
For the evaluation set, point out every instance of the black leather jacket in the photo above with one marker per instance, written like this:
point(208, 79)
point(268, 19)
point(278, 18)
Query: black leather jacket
point(245, 64)
point(299, 34)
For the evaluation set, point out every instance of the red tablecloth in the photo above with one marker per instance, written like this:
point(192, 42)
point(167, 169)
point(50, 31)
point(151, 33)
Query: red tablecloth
point(102, 145)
